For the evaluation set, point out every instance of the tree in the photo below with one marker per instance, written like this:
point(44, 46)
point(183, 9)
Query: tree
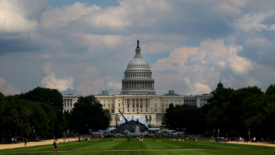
point(270, 90)
point(170, 115)
point(54, 98)
point(107, 114)
point(88, 114)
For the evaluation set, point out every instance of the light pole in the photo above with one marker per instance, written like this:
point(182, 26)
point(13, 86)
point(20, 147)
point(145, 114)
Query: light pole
point(213, 133)
point(249, 134)
point(218, 132)
point(33, 133)
point(68, 131)
point(86, 128)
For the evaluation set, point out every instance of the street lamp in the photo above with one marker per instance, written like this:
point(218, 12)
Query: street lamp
point(86, 129)
point(68, 131)
point(249, 134)
point(33, 133)
point(218, 132)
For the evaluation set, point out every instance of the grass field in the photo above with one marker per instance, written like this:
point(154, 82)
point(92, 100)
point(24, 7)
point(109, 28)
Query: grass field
point(121, 146)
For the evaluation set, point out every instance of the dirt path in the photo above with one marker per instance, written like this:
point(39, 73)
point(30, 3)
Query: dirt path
point(29, 144)
point(258, 143)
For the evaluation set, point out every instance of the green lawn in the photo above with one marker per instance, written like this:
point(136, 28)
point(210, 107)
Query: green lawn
point(121, 146)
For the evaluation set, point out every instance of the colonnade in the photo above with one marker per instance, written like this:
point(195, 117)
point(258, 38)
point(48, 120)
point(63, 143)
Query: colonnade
point(67, 102)
point(136, 105)
point(138, 85)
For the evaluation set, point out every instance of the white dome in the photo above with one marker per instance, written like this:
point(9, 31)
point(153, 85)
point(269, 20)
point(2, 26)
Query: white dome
point(138, 63)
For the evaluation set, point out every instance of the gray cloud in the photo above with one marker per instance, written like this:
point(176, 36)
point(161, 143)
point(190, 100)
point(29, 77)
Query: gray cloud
point(93, 45)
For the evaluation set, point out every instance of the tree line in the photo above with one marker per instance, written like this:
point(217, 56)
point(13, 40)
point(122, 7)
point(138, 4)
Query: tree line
point(229, 113)
point(41, 110)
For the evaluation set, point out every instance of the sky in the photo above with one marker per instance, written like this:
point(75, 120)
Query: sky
point(83, 47)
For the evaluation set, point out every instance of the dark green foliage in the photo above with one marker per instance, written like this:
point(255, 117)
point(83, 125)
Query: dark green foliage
point(232, 111)
point(52, 98)
point(270, 90)
point(88, 114)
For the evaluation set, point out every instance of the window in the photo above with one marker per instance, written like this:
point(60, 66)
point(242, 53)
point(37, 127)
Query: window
point(108, 100)
point(175, 100)
point(128, 110)
point(128, 105)
point(112, 111)
point(140, 110)
point(166, 100)
point(118, 105)
point(166, 105)
point(133, 104)
point(162, 100)
point(112, 105)
point(162, 105)
point(155, 110)
point(104, 105)
point(146, 105)
point(108, 105)
point(104, 100)
point(155, 105)
point(133, 110)
point(137, 105)
point(162, 111)
point(146, 110)
point(155, 100)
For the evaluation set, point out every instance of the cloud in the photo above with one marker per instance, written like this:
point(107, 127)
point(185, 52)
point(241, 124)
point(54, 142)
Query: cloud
point(7, 88)
point(50, 81)
point(253, 21)
point(90, 45)
point(200, 68)
point(14, 18)
point(90, 81)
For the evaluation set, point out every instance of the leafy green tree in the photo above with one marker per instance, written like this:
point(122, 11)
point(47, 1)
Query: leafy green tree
point(54, 98)
point(270, 90)
point(107, 114)
point(171, 117)
point(88, 114)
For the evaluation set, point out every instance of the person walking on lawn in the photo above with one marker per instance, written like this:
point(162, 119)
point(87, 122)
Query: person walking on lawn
point(55, 145)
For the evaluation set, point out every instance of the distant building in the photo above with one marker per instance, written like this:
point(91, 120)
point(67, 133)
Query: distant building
point(219, 87)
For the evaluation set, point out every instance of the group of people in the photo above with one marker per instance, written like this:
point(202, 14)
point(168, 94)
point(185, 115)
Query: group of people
point(140, 139)
point(13, 140)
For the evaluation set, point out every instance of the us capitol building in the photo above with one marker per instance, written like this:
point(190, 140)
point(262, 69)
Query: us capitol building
point(138, 96)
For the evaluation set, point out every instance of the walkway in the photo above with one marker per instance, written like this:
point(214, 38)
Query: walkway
point(29, 144)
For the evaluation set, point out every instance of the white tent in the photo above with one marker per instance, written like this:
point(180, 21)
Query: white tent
point(141, 120)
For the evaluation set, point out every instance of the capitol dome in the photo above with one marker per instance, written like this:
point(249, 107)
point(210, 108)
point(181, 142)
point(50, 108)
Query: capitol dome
point(138, 63)
point(138, 76)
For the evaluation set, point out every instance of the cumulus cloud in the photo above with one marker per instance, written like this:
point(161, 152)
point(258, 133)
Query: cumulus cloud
point(7, 88)
point(50, 81)
point(14, 17)
point(90, 81)
point(90, 45)
point(202, 67)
